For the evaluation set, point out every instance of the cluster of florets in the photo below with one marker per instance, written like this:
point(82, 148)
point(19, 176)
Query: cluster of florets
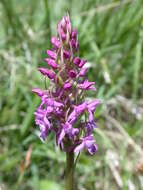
point(63, 108)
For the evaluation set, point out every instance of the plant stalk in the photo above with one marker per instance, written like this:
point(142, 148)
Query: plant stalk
point(70, 171)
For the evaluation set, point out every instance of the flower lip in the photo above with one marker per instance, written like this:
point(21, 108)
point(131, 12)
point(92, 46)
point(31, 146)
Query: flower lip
point(90, 126)
point(86, 85)
point(82, 62)
point(83, 71)
point(87, 142)
point(93, 104)
point(38, 91)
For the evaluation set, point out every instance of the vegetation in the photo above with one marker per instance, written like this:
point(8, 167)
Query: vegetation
point(111, 39)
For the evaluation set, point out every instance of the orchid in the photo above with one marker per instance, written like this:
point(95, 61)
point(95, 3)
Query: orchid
point(63, 109)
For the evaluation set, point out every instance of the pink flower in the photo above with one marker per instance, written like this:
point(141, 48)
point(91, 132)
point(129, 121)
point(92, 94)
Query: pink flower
point(87, 142)
point(86, 85)
point(63, 109)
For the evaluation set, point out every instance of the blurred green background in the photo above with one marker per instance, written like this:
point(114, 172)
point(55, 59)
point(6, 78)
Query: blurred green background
point(111, 39)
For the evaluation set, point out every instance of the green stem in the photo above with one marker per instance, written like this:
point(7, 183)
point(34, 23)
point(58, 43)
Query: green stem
point(70, 171)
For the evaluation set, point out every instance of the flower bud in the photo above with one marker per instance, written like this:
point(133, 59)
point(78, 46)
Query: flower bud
point(46, 72)
point(51, 54)
point(72, 73)
point(76, 61)
point(66, 54)
point(55, 42)
point(52, 63)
